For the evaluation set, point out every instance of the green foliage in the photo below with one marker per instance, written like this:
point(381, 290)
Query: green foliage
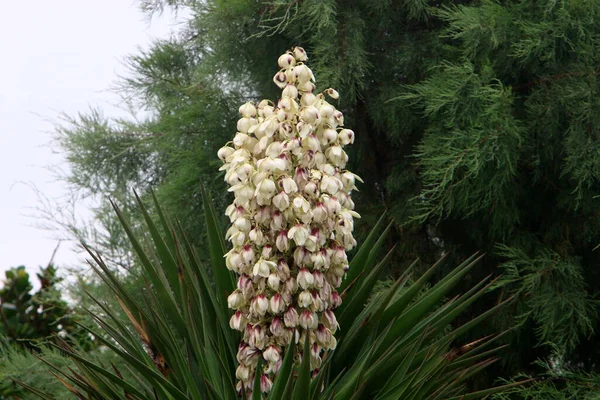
point(476, 125)
point(180, 346)
point(30, 317)
point(561, 314)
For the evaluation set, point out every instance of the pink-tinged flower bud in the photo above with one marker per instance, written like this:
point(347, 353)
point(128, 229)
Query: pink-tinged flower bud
point(304, 299)
point(310, 115)
point(333, 93)
point(299, 255)
point(315, 358)
point(301, 177)
point(265, 384)
point(290, 318)
point(336, 299)
point(299, 234)
point(299, 54)
point(280, 79)
point(286, 61)
point(308, 320)
point(333, 205)
point(330, 135)
point(276, 304)
point(325, 293)
point(260, 305)
point(329, 320)
point(290, 91)
point(310, 189)
point(238, 321)
point(244, 124)
point(273, 282)
point(282, 242)
point(276, 327)
point(318, 259)
point(247, 110)
point(245, 286)
point(225, 152)
point(257, 337)
point(277, 222)
point(243, 224)
point(323, 336)
point(283, 270)
point(266, 188)
point(235, 300)
point(291, 286)
point(338, 117)
point(263, 268)
point(308, 99)
point(326, 110)
point(271, 354)
point(330, 185)
point(320, 213)
point(305, 279)
point(303, 74)
point(288, 185)
point(267, 251)
point(256, 236)
point(317, 303)
point(311, 142)
point(306, 87)
point(242, 373)
point(233, 261)
point(346, 136)
point(281, 201)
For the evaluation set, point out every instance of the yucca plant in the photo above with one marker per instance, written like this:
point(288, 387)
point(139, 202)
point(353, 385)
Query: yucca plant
point(291, 225)
point(394, 343)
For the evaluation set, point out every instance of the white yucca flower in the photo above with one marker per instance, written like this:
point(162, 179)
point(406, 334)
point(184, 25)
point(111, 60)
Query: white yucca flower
point(291, 221)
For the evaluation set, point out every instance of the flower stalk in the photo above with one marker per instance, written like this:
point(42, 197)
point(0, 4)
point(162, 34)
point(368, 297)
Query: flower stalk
point(291, 222)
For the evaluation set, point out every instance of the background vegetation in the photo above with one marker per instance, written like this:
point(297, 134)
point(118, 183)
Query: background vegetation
point(477, 126)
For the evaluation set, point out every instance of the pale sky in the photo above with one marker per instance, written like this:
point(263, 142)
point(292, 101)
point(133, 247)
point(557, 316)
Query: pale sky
point(56, 56)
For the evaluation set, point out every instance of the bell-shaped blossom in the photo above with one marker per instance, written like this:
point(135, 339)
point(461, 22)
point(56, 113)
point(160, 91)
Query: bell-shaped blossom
point(291, 220)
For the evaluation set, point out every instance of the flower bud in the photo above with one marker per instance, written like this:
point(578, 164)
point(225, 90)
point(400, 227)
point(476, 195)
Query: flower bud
point(281, 201)
point(303, 74)
point(336, 299)
point(308, 99)
point(304, 299)
point(225, 152)
point(273, 282)
point(265, 384)
point(260, 304)
point(286, 61)
point(299, 54)
point(305, 279)
point(346, 136)
point(308, 320)
point(299, 234)
point(235, 300)
point(237, 321)
point(290, 91)
point(276, 327)
point(263, 268)
point(282, 242)
point(276, 304)
point(290, 318)
point(271, 354)
point(247, 110)
point(242, 373)
point(280, 79)
point(333, 93)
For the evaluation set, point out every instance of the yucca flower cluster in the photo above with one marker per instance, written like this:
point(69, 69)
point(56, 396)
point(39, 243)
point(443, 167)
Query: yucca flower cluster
point(291, 221)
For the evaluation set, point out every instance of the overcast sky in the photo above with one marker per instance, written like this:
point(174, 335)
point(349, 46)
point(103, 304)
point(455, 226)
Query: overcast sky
point(57, 56)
